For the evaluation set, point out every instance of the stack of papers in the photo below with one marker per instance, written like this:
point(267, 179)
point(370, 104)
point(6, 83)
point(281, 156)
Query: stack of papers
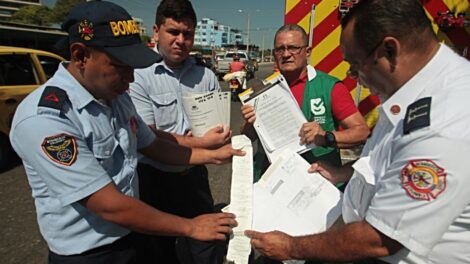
point(278, 119)
point(206, 111)
point(289, 199)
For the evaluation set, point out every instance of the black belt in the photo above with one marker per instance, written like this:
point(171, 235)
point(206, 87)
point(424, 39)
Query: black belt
point(185, 172)
point(121, 243)
point(121, 248)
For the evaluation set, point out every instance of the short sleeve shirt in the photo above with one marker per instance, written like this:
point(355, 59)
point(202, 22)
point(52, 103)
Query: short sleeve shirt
point(72, 152)
point(157, 93)
point(411, 182)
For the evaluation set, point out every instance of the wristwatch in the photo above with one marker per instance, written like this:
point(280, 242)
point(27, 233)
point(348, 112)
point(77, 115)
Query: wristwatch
point(330, 139)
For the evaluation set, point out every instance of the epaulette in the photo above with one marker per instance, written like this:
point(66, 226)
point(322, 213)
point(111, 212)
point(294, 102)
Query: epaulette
point(418, 115)
point(53, 97)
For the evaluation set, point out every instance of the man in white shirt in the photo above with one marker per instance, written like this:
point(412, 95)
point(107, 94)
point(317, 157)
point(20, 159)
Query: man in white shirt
point(411, 168)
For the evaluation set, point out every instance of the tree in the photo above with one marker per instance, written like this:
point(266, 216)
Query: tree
point(42, 15)
point(37, 15)
point(62, 9)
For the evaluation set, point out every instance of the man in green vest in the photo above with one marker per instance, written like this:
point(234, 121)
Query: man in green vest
point(324, 100)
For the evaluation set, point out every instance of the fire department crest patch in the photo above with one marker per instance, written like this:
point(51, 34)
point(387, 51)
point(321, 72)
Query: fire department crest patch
point(85, 28)
point(423, 179)
point(61, 148)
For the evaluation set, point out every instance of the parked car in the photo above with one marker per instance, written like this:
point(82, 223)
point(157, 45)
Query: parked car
point(224, 64)
point(21, 71)
point(202, 60)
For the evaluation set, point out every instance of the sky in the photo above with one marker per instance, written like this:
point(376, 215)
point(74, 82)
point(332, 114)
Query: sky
point(266, 16)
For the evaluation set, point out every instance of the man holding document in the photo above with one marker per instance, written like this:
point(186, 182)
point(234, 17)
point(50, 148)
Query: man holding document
point(157, 94)
point(410, 170)
point(323, 99)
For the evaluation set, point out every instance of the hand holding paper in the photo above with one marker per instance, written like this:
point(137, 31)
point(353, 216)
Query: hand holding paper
point(275, 244)
point(312, 132)
point(332, 173)
point(248, 112)
point(216, 137)
point(212, 226)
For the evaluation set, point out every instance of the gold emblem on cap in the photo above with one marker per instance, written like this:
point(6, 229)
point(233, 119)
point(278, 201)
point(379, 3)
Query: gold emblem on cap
point(395, 109)
point(85, 28)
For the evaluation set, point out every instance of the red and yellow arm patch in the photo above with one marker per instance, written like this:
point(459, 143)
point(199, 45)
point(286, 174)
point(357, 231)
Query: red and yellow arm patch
point(60, 148)
point(423, 179)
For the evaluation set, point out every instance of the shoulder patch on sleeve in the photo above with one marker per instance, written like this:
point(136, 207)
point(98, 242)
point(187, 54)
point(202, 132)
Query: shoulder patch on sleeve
point(423, 179)
point(53, 97)
point(417, 115)
point(61, 148)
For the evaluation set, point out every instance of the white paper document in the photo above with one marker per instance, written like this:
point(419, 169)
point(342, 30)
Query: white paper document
point(278, 120)
point(205, 111)
point(289, 199)
point(241, 200)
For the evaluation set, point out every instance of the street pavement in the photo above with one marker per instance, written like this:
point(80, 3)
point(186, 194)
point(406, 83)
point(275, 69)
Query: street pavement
point(20, 240)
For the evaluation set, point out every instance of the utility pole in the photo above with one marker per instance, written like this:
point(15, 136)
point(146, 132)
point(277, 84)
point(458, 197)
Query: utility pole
point(262, 49)
point(248, 13)
point(248, 35)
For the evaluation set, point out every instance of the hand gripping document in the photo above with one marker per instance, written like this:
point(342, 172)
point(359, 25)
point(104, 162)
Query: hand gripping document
point(278, 119)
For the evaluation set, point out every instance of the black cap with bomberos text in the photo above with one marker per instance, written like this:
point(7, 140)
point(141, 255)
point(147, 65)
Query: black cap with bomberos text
point(109, 27)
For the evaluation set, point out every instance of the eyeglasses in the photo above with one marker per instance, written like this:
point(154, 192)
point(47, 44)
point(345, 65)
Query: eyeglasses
point(294, 50)
point(355, 67)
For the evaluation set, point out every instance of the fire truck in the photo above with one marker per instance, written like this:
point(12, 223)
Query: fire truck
point(321, 20)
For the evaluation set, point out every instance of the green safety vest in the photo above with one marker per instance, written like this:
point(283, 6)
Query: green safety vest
point(316, 106)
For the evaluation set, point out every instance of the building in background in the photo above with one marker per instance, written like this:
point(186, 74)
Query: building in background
point(8, 7)
point(140, 25)
point(209, 33)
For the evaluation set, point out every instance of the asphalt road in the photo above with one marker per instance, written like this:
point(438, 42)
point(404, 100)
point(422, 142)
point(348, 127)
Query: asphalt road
point(20, 240)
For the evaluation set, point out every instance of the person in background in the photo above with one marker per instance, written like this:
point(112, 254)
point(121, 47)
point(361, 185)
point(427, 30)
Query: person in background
point(324, 100)
point(410, 170)
point(236, 65)
point(157, 95)
point(237, 71)
point(78, 136)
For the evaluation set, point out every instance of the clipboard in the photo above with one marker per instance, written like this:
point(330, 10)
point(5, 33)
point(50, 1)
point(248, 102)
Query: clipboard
point(278, 119)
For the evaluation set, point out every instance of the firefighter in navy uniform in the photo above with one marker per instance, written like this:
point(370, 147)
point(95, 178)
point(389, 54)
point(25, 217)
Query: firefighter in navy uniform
point(78, 137)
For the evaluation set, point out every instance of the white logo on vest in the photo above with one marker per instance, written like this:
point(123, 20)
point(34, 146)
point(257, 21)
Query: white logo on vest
point(317, 106)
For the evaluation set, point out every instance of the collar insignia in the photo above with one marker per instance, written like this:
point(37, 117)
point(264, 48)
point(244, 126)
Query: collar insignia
point(417, 115)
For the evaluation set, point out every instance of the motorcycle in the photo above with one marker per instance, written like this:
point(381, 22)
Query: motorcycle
point(236, 83)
